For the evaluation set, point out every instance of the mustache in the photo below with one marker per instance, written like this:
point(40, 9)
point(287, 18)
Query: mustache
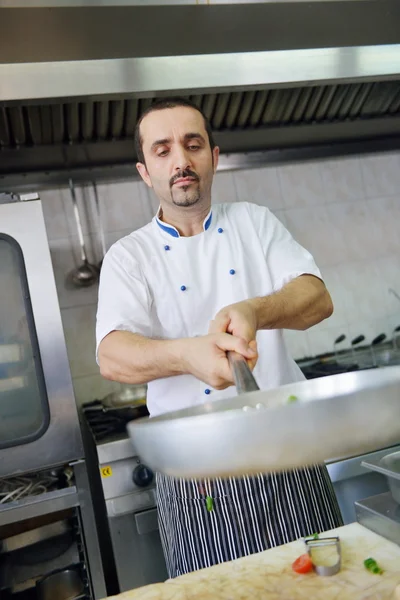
point(182, 175)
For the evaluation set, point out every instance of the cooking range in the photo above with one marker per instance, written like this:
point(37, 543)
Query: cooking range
point(124, 488)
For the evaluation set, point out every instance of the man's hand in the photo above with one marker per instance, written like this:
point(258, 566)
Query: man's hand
point(205, 357)
point(240, 320)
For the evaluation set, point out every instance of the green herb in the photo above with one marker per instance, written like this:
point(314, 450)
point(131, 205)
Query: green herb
point(371, 565)
point(292, 398)
point(314, 536)
point(209, 503)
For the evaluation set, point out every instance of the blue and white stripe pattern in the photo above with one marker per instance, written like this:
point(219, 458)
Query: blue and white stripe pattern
point(249, 515)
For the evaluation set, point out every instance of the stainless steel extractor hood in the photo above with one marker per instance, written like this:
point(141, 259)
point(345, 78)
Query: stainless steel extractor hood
point(321, 76)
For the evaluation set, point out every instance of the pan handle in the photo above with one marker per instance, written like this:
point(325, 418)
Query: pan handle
point(242, 375)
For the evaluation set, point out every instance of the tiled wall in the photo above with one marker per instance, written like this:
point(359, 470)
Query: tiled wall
point(345, 211)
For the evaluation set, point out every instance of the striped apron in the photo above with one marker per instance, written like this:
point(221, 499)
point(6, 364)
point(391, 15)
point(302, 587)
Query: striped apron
point(206, 522)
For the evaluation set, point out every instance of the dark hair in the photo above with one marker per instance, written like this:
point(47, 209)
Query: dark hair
point(162, 104)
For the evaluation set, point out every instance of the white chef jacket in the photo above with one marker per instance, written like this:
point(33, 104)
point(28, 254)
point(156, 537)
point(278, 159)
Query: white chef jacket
point(161, 285)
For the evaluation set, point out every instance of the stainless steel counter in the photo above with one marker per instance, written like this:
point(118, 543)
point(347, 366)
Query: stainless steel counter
point(351, 467)
point(353, 483)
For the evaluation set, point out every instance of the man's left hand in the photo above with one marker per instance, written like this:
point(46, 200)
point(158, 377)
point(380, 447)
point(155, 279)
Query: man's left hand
point(240, 320)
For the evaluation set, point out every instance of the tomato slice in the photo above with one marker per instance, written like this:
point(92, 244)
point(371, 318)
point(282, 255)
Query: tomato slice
point(303, 564)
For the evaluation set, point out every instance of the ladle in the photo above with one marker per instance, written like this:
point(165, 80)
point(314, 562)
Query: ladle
point(86, 274)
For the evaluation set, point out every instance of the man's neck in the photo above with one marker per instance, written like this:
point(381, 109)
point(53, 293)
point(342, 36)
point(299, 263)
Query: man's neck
point(189, 223)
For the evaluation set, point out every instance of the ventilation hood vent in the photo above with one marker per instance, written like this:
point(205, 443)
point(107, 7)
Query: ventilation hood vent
point(273, 77)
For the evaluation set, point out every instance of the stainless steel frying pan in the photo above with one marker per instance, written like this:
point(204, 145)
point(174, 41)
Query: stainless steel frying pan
point(262, 431)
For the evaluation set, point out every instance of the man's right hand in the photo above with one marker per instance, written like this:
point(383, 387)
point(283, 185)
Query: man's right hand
point(205, 357)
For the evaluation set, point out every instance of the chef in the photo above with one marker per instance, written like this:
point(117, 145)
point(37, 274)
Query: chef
point(175, 296)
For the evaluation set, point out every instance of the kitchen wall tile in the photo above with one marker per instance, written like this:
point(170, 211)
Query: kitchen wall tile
point(65, 257)
point(93, 387)
point(297, 343)
point(56, 212)
point(59, 213)
point(385, 212)
point(312, 228)
point(353, 223)
point(342, 179)
point(87, 208)
point(392, 322)
point(381, 174)
point(127, 204)
point(337, 280)
point(389, 278)
point(363, 296)
point(322, 338)
point(386, 325)
point(79, 329)
point(370, 329)
point(260, 186)
point(301, 185)
point(223, 188)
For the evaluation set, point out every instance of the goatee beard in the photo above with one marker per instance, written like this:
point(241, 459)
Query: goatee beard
point(191, 196)
point(189, 199)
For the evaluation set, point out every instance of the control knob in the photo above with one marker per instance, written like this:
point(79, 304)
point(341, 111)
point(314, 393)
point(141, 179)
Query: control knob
point(142, 476)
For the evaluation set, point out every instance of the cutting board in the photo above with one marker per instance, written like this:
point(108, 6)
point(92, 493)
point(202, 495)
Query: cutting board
point(268, 575)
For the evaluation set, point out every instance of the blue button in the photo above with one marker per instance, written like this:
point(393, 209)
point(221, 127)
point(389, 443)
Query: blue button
point(232, 271)
point(167, 248)
point(220, 230)
point(207, 391)
point(183, 288)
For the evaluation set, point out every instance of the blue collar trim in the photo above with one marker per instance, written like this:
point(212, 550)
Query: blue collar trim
point(168, 228)
point(207, 222)
point(174, 232)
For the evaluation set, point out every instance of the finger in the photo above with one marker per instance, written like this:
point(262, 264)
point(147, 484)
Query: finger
point(243, 330)
point(252, 363)
point(224, 370)
point(253, 345)
point(220, 324)
point(229, 342)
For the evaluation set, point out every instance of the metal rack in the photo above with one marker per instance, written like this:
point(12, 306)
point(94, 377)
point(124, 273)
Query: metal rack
point(59, 527)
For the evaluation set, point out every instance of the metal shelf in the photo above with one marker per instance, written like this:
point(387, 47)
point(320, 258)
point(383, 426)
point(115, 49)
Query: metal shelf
point(36, 506)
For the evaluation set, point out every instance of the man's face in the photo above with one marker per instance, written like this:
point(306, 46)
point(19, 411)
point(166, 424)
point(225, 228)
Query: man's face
point(179, 163)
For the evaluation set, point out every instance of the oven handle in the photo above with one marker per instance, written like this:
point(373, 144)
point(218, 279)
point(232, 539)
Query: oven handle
point(133, 504)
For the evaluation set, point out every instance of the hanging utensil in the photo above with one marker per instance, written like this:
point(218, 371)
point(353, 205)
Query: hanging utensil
point(338, 340)
point(86, 274)
point(378, 340)
point(265, 431)
point(354, 342)
point(100, 224)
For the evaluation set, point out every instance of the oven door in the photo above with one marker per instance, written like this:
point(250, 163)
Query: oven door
point(39, 425)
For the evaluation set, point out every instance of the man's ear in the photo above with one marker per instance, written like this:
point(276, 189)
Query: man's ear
point(141, 167)
point(215, 153)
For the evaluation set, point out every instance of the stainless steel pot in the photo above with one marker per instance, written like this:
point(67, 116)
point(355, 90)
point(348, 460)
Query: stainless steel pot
point(64, 584)
point(127, 396)
point(335, 416)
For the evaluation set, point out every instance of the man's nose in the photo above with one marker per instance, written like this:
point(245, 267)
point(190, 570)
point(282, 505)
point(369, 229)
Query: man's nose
point(181, 159)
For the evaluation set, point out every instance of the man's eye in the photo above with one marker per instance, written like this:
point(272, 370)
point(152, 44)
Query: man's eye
point(162, 153)
point(194, 147)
